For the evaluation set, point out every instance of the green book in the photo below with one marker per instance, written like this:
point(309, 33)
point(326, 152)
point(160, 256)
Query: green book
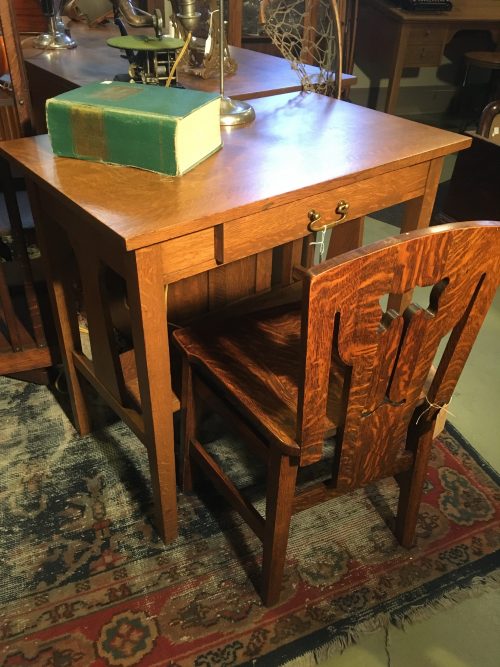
point(168, 130)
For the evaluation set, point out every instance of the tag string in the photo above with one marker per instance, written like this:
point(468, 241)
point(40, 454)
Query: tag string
point(321, 242)
point(434, 405)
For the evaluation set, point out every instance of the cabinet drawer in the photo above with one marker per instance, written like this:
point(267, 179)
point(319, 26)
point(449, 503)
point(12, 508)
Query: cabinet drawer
point(267, 229)
point(423, 55)
point(427, 35)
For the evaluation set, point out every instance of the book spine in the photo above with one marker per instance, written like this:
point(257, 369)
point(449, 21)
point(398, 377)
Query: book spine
point(109, 135)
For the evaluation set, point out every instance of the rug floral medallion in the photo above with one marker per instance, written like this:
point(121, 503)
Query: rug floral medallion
point(86, 581)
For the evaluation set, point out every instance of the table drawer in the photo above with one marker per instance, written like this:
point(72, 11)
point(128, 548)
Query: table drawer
point(188, 255)
point(272, 227)
point(423, 55)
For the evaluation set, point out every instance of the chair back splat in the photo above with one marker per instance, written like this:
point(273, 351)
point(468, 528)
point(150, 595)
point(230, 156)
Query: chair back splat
point(344, 362)
point(388, 356)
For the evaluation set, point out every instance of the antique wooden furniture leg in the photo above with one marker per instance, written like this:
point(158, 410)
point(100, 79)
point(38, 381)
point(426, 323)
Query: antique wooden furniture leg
point(411, 485)
point(146, 295)
point(188, 426)
point(346, 237)
point(57, 262)
point(282, 476)
point(418, 211)
point(417, 215)
point(397, 69)
point(148, 411)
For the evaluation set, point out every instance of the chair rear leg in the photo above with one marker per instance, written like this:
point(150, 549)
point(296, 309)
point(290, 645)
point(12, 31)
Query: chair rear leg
point(188, 426)
point(281, 480)
point(411, 487)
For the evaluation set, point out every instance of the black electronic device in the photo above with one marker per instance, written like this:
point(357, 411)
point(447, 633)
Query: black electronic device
point(425, 5)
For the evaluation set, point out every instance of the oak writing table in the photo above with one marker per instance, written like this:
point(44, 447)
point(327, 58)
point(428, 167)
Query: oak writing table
point(209, 236)
point(393, 38)
point(53, 72)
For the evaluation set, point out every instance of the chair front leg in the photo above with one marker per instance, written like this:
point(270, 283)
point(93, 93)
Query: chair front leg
point(281, 480)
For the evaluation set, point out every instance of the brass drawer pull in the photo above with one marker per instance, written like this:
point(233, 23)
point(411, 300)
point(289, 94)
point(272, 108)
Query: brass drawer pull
point(315, 223)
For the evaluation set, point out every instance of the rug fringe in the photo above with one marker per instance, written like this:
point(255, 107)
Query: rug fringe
point(475, 588)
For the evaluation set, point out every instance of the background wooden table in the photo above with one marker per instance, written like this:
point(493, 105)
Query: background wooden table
point(232, 227)
point(51, 73)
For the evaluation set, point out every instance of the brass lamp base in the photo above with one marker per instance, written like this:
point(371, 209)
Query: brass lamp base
point(235, 112)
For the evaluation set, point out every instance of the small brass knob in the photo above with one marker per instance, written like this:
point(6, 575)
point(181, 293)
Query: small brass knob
point(342, 210)
point(313, 215)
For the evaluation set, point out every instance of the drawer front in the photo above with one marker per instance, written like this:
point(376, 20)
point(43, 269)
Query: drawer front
point(188, 255)
point(281, 224)
point(427, 35)
point(423, 55)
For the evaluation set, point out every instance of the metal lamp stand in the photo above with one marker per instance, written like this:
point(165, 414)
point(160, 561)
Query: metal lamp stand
point(56, 37)
point(232, 112)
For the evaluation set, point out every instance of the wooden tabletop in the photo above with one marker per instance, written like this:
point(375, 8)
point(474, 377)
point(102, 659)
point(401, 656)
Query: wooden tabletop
point(300, 144)
point(462, 11)
point(258, 75)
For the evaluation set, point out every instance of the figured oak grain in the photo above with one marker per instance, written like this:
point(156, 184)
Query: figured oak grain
point(337, 362)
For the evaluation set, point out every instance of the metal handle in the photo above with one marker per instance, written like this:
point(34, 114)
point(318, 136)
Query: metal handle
point(315, 224)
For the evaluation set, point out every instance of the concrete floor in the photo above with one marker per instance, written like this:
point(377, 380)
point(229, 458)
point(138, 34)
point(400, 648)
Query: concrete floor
point(466, 634)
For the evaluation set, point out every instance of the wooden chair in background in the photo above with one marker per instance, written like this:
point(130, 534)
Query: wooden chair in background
point(336, 364)
point(472, 191)
point(489, 123)
point(488, 60)
point(24, 352)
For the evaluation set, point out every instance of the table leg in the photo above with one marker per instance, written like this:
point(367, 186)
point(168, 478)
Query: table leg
point(396, 70)
point(346, 237)
point(57, 262)
point(146, 297)
point(417, 215)
point(418, 211)
point(97, 309)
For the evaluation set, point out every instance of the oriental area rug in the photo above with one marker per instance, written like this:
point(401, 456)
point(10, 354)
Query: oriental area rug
point(85, 580)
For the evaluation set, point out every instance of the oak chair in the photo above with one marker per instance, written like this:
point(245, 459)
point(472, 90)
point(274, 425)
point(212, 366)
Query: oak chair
point(337, 363)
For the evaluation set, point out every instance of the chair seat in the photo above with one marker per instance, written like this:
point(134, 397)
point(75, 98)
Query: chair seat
point(256, 360)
